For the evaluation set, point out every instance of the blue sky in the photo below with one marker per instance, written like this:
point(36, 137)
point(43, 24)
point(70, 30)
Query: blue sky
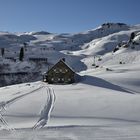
point(63, 16)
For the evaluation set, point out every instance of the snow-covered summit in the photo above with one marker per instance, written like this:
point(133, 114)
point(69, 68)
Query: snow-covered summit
point(40, 33)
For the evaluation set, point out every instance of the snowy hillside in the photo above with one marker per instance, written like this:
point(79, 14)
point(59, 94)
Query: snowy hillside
point(103, 104)
point(79, 49)
point(104, 101)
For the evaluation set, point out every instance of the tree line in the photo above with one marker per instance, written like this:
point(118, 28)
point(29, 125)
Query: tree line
point(21, 53)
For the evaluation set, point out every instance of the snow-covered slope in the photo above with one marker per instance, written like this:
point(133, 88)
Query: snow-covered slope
point(74, 47)
point(102, 101)
point(105, 101)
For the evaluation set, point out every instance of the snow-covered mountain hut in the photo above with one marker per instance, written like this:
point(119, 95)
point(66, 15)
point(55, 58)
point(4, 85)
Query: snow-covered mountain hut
point(60, 73)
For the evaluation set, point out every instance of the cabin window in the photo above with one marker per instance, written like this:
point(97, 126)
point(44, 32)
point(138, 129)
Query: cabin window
point(56, 70)
point(60, 70)
point(64, 71)
point(62, 79)
point(69, 79)
point(58, 79)
point(52, 79)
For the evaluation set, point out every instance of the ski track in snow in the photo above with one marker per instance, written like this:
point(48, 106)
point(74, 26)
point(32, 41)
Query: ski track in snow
point(47, 109)
point(4, 104)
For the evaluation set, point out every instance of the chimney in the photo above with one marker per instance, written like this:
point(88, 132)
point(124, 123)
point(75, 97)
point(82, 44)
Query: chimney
point(63, 59)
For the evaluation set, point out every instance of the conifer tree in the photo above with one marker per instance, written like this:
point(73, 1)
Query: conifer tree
point(132, 36)
point(2, 51)
point(21, 54)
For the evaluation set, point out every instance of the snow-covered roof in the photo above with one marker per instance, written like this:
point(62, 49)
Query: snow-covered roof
point(63, 63)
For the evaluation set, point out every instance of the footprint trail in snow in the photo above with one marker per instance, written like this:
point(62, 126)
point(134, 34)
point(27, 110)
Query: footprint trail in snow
point(5, 104)
point(47, 109)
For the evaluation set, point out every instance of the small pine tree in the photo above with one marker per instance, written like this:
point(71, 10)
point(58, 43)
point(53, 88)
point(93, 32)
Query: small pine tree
point(25, 44)
point(2, 51)
point(21, 54)
point(132, 36)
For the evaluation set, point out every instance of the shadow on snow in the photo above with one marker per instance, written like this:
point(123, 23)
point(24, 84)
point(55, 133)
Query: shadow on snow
point(95, 81)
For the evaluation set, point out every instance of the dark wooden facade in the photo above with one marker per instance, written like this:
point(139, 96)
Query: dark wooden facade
point(60, 73)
